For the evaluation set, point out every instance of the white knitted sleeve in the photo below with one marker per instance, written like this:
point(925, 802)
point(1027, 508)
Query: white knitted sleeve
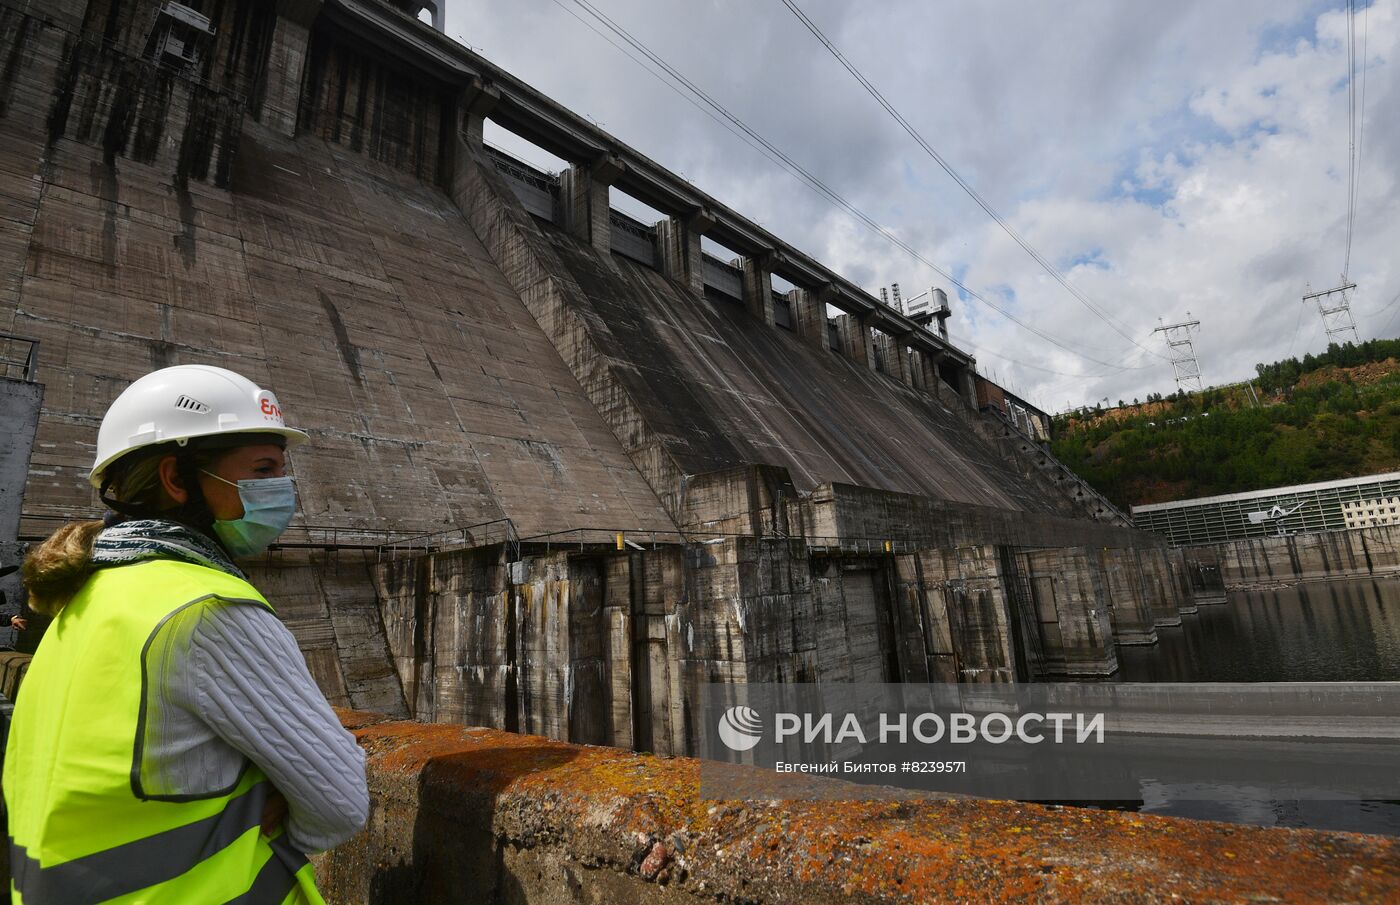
point(254, 691)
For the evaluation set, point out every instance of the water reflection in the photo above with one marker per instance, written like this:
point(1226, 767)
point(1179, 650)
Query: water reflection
point(1320, 632)
point(1239, 805)
point(1342, 631)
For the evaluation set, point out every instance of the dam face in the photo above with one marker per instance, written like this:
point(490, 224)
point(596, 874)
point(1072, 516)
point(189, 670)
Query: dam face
point(565, 467)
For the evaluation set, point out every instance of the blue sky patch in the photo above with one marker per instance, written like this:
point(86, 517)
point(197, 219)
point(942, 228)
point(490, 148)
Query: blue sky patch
point(960, 274)
point(1156, 196)
point(1093, 258)
point(1283, 37)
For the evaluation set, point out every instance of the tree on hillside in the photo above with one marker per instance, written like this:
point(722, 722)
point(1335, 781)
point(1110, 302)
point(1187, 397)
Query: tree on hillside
point(1335, 428)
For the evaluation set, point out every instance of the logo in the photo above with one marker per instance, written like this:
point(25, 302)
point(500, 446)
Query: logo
point(271, 409)
point(740, 728)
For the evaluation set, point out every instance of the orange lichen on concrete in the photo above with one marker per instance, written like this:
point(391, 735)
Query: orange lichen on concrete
point(642, 816)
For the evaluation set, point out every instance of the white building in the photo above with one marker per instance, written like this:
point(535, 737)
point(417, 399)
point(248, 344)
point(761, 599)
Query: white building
point(1302, 508)
point(1365, 513)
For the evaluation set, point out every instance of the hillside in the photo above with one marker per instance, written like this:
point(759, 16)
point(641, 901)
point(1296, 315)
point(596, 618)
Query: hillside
point(1323, 417)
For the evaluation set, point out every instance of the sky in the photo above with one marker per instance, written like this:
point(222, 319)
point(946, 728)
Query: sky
point(1166, 158)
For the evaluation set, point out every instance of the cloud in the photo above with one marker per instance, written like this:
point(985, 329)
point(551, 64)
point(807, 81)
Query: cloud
point(1191, 156)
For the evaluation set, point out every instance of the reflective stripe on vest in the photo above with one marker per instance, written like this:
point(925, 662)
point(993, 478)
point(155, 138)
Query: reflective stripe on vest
point(80, 828)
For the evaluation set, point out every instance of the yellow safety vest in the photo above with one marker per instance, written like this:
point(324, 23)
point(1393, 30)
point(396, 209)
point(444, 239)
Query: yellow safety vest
point(83, 825)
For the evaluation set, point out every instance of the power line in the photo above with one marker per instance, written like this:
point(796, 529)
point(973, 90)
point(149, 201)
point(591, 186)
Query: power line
point(963, 342)
point(1386, 329)
point(1386, 307)
point(783, 160)
point(1356, 121)
point(956, 177)
point(1334, 305)
point(1351, 128)
point(788, 163)
point(1296, 324)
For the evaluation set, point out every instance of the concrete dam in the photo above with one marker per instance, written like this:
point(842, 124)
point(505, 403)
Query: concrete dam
point(566, 469)
point(566, 465)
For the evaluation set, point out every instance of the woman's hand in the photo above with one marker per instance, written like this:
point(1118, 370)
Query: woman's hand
point(274, 812)
point(19, 622)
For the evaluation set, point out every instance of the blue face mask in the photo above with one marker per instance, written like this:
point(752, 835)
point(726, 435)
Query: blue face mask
point(268, 507)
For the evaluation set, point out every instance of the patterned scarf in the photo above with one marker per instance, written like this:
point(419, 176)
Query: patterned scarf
point(139, 539)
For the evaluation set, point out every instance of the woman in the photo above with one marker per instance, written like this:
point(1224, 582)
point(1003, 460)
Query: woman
point(169, 744)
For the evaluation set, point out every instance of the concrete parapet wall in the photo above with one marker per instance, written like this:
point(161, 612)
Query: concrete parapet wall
point(461, 813)
point(1266, 561)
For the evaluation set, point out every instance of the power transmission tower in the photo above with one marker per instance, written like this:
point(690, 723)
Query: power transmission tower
point(1182, 353)
point(1335, 307)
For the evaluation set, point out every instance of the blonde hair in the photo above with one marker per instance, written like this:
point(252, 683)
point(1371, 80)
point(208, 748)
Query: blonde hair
point(56, 569)
point(59, 567)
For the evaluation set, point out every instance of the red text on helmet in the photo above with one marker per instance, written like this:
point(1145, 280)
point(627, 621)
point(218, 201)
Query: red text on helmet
point(271, 409)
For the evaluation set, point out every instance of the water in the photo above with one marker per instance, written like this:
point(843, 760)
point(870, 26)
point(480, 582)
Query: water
point(1338, 631)
point(1344, 631)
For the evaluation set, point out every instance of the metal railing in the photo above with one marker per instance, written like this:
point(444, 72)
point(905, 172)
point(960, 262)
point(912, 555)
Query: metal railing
point(722, 264)
point(603, 538)
point(618, 220)
point(868, 545)
point(482, 534)
point(392, 543)
point(522, 171)
point(19, 365)
point(332, 537)
point(585, 539)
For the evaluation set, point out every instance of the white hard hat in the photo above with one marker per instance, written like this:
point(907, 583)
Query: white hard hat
point(183, 402)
